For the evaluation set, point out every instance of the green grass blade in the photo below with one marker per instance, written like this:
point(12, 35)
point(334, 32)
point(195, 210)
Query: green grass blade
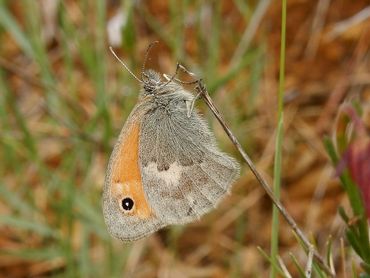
point(279, 140)
point(274, 263)
point(14, 201)
point(10, 24)
point(28, 225)
point(35, 254)
point(297, 265)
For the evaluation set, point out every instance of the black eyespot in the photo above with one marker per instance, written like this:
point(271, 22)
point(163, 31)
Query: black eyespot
point(127, 204)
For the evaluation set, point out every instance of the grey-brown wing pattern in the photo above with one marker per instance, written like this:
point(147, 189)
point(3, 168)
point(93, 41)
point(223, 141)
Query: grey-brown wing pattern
point(183, 172)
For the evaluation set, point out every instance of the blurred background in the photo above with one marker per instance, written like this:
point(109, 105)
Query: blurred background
point(64, 99)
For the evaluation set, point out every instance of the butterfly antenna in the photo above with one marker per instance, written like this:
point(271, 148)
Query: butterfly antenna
point(115, 55)
point(146, 58)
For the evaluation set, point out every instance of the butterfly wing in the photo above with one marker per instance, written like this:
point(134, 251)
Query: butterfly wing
point(127, 213)
point(184, 174)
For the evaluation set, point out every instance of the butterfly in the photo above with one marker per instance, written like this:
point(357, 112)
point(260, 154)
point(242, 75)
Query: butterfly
point(165, 168)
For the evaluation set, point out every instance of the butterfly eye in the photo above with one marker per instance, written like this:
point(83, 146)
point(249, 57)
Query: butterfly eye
point(127, 204)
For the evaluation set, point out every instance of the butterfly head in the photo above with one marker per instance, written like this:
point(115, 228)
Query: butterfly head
point(154, 86)
point(151, 81)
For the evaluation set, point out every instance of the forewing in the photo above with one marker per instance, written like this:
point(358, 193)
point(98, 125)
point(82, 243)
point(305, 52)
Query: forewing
point(123, 180)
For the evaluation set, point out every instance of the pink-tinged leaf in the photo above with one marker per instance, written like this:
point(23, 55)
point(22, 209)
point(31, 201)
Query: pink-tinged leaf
point(353, 144)
point(358, 161)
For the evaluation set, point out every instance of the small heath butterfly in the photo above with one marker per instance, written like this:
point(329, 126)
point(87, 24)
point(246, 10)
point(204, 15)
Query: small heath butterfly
point(165, 168)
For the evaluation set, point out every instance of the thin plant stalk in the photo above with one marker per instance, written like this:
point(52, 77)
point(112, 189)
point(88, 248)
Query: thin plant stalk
point(278, 143)
point(202, 92)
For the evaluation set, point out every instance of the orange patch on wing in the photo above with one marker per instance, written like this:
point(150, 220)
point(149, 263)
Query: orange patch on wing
point(126, 176)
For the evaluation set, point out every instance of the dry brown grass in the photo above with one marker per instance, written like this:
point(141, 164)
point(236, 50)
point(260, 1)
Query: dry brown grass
point(63, 103)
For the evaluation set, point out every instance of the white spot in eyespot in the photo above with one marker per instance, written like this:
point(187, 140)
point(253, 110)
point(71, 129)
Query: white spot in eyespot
point(170, 176)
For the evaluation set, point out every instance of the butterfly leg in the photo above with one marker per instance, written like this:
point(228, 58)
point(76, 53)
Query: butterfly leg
point(169, 79)
point(200, 88)
point(190, 105)
point(198, 81)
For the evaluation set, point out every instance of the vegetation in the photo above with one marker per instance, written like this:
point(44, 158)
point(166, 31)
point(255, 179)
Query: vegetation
point(64, 98)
